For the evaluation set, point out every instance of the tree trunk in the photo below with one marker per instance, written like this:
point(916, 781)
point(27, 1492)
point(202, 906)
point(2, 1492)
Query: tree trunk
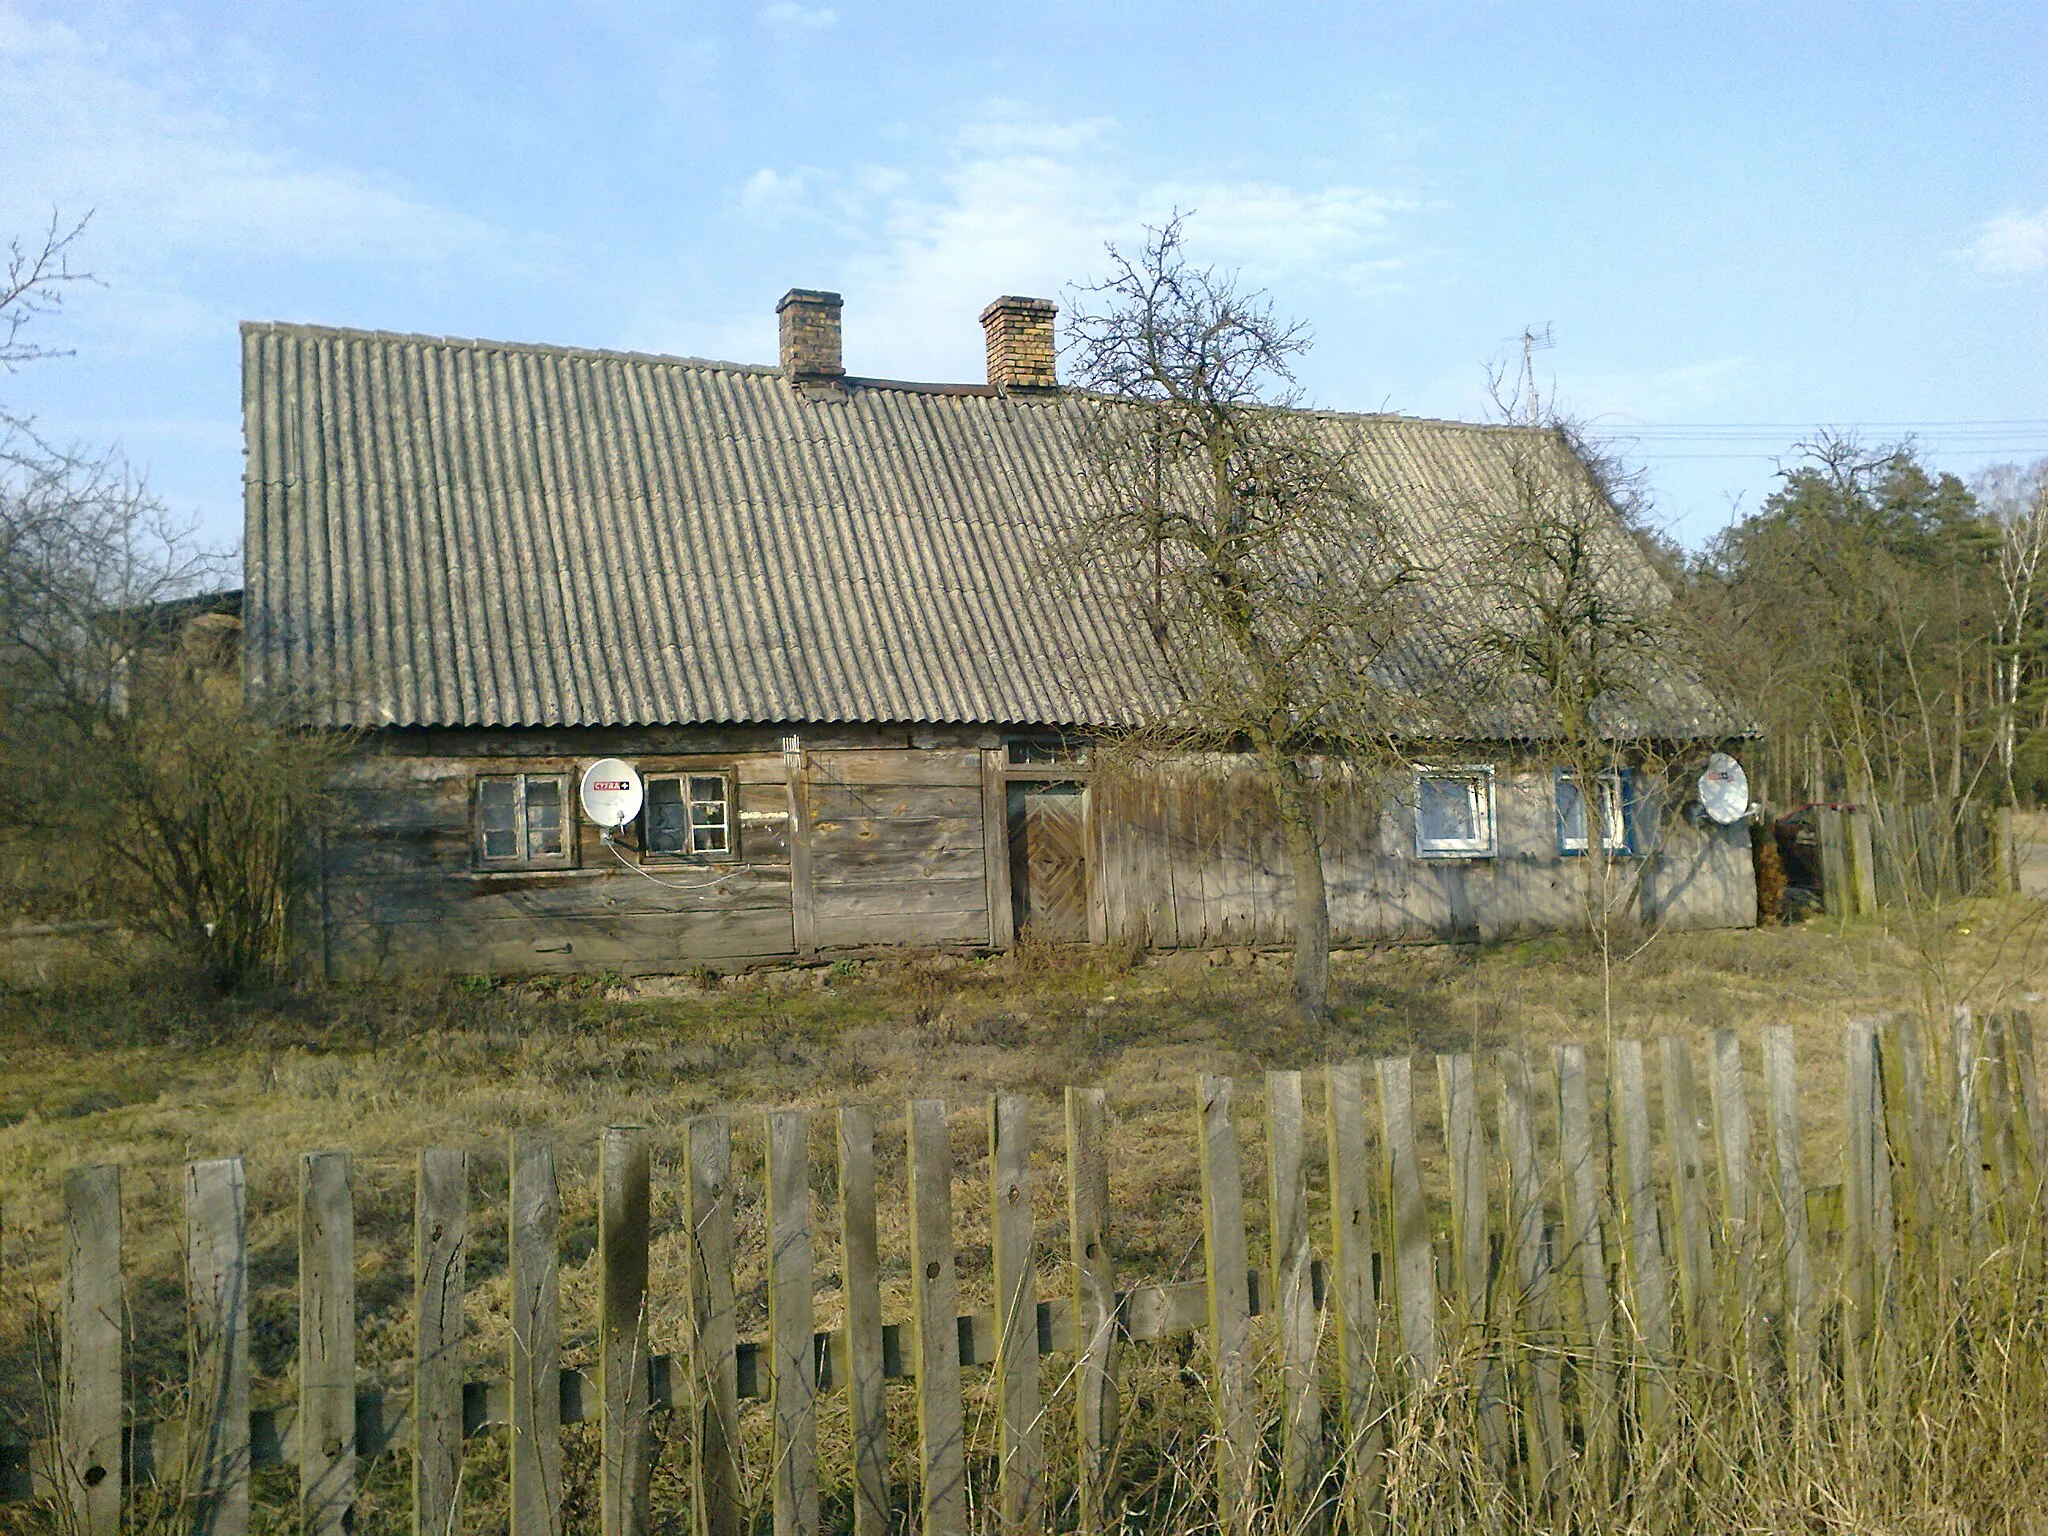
point(1294, 801)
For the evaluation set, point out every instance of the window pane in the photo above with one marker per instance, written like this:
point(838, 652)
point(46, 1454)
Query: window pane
point(667, 825)
point(708, 816)
point(1571, 812)
point(543, 817)
point(1572, 833)
point(1447, 812)
point(497, 809)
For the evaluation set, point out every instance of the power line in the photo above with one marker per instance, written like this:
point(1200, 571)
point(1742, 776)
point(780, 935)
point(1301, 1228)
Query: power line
point(2023, 437)
point(1808, 426)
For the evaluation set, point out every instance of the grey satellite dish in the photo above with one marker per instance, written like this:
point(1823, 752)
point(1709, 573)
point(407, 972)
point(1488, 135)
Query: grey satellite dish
point(1724, 790)
point(611, 793)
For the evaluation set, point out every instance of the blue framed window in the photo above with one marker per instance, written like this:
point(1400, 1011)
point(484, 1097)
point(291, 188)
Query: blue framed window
point(1616, 808)
point(1454, 813)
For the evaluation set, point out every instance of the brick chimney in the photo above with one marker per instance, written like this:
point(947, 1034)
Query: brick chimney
point(810, 336)
point(1020, 347)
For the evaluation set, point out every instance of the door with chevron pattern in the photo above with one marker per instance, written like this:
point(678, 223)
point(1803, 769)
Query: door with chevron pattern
point(1049, 861)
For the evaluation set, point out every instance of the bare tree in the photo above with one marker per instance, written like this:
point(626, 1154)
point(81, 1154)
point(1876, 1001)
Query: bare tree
point(1570, 645)
point(128, 761)
point(37, 276)
point(1275, 587)
point(2016, 501)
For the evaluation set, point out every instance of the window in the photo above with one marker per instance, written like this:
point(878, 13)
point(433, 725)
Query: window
point(1571, 812)
point(1033, 751)
point(688, 815)
point(1454, 813)
point(519, 820)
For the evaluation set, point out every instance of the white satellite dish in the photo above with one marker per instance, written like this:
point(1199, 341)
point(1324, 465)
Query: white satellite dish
point(611, 792)
point(1724, 790)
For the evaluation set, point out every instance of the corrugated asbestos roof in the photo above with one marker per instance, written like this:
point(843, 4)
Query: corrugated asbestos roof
point(448, 532)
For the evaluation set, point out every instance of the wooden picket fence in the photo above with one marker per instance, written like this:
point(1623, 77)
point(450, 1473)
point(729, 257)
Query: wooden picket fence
point(1891, 854)
point(1586, 1266)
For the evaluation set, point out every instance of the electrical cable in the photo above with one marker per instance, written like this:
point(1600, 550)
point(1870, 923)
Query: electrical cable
point(670, 885)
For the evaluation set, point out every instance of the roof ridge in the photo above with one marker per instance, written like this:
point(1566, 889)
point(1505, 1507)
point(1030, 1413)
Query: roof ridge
point(856, 381)
point(487, 344)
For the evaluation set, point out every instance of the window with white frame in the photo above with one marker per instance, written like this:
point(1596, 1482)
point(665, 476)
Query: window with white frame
point(1612, 804)
point(1454, 813)
point(688, 815)
point(521, 821)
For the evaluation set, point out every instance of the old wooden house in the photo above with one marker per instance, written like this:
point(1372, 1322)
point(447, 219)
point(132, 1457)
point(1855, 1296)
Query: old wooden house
point(812, 610)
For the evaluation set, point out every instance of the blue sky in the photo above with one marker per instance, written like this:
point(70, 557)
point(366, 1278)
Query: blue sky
point(1767, 217)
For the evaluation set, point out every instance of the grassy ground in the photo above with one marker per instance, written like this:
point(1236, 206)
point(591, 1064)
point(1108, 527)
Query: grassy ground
point(100, 1065)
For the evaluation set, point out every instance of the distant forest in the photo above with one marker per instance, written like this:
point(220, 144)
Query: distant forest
point(1887, 625)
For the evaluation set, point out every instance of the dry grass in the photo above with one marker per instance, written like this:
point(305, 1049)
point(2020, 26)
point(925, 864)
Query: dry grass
point(98, 1068)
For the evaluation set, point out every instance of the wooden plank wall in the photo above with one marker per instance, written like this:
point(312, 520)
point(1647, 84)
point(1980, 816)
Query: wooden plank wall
point(855, 847)
point(401, 891)
point(1194, 858)
point(893, 842)
point(898, 848)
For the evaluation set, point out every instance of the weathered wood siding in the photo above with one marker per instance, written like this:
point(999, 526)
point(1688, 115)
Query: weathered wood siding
point(401, 892)
point(1195, 858)
point(869, 839)
point(893, 844)
point(898, 854)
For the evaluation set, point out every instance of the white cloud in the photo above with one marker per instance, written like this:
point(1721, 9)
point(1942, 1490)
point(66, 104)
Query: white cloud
point(1018, 204)
point(1269, 229)
point(131, 129)
point(798, 18)
point(2012, 245)
point(770, 193)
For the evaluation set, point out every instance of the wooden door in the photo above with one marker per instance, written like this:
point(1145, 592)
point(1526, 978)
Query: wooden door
point(1049, 861)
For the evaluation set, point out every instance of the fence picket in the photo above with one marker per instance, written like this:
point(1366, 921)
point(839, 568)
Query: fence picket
point(1535, 1308)
point(1021, 1468)
point(1293, 1298)
point(2027, 1099)
point(534, 1273)
point(327, 1344)
point(1471, 1251)
point(1223, 1246)
point(713, 1330)
point(1968, 1130)
point(2001, 1135)
point(1699, 1323)
point(860, 1276)
point(1902, 1089)
point(1592, 1313)
point(1095, 1308)
point(934, 1291)
point(216, 1471)
point(89, 1469)
point(1798, 1301)
point(1356, 1308)
point(1741, 1304)
point(1408, 1218)
point(440, 1250)
point(793, 1363)
point(1867, 1214)
point(1643, 1265)
point(624, 1178)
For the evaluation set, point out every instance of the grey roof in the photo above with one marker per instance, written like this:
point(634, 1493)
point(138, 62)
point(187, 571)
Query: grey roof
point(449, 532)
